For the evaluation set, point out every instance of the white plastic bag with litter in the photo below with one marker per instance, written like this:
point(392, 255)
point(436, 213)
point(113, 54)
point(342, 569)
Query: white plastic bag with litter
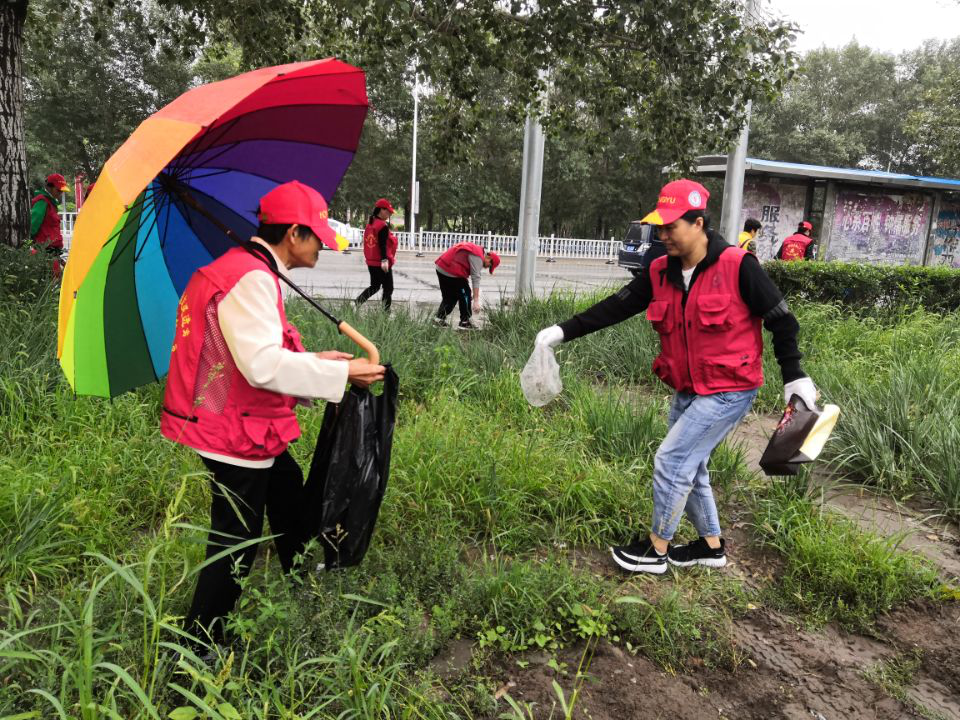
point(540, 379)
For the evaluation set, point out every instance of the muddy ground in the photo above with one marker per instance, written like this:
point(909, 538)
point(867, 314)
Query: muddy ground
point(786, 670)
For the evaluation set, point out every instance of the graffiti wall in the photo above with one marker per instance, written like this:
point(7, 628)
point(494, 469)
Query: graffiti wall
point(778, 206)
point(945, 244)
point(877, 227)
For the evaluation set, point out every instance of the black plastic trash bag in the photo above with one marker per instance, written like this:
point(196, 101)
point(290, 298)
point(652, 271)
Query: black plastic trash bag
point(799, 437)
point(349, 472)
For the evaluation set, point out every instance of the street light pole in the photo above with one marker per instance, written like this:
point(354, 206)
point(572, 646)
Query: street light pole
point(736, 166)
point(414, 185)
point(528, 231)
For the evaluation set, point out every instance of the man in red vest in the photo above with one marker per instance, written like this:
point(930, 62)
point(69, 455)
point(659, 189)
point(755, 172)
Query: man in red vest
point(45, 218)
point(707, 300)
point(462, 261)
point(380, 253)
point(237, 370)
point(798, 246)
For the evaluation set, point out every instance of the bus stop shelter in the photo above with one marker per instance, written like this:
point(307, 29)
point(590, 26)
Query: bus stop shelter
point(858, 215)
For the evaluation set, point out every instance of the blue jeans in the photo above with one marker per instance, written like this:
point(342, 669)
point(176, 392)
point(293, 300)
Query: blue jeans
point(698, 423)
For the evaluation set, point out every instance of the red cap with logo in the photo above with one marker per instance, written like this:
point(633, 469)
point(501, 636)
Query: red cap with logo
point(385, 204)
point(494, 261)
point(677, 198)
point(806, 225)
point(294, 202)
point(58, 181)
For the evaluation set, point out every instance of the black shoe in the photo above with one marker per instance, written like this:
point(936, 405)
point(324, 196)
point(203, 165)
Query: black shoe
point(698, 553)
point(640, 556)
point(440, 322)
point(466, 325)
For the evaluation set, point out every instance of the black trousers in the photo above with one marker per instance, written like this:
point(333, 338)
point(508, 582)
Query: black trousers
point(454, 291)
point(278, 490)
point(378, 279)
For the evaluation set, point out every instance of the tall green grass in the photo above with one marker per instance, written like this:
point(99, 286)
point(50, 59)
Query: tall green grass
point(101, 530)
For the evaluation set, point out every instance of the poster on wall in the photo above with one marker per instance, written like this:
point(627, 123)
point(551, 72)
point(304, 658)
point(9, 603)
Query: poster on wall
point(778, 206)
point(877, 227)
point(945, 243)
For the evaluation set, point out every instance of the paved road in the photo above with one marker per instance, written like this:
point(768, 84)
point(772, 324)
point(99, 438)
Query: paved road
point(415, 279)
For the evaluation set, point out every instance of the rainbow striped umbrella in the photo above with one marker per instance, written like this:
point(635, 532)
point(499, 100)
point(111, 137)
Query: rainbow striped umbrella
point(138, 240)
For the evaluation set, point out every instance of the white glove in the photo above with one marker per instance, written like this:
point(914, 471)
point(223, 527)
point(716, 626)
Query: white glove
point(804, 389)
point(550, 337)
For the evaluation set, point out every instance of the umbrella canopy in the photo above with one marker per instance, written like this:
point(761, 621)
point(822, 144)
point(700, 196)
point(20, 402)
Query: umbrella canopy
point(137, 241)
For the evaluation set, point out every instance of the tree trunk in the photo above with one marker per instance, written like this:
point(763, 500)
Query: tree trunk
point(14, 193)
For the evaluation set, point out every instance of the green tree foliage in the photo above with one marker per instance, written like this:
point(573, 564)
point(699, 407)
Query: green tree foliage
point(857, 107)
point(93, 73)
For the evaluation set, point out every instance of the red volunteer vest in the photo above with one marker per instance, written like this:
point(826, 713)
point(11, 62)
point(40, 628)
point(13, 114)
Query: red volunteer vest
point(713, 344)
point(371, 248)
point(49, 232)
point(208, 404)
point(795, 247)
point(456, 260)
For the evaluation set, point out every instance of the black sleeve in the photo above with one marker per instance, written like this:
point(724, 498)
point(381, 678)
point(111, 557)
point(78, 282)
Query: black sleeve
point(779, 255)
point(766, 301)
point(631, 300)
point(382, 238)
point(808, 253)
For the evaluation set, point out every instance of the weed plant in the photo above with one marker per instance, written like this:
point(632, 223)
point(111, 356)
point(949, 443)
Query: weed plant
point(102, 526)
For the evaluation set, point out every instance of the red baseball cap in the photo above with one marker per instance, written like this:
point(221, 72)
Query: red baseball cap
point(677, 198)
point(385, 204)
point(58, 181)
point(294, 202)
point(806, 225)
point(494, 261)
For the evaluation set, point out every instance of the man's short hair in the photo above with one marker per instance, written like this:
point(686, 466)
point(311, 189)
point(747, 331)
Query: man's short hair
point(751, 225)
point(273, 234)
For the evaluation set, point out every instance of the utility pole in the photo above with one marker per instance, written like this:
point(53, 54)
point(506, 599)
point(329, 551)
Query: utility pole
point(528, 231)
point(414, 185)
point(736, 165)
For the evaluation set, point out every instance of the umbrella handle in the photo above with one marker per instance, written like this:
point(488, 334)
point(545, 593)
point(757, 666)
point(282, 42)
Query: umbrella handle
point(368, 347)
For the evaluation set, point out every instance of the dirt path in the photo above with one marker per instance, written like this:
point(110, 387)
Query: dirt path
point(937, 540)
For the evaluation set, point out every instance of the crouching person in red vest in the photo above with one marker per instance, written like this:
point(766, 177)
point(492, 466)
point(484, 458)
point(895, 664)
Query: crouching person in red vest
point(707, 300)
point(237, 369)
point(798, 246)
point(45, 219)
point(457, 269)
point(380, 253)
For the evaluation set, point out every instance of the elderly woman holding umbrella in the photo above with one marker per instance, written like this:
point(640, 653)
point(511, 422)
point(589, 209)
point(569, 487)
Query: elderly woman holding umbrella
point(237, 370)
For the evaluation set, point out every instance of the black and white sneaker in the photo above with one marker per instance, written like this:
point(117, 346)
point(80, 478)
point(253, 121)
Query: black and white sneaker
point(440, 322)
point(640, 556)
point(698, 553)
point(466, 325)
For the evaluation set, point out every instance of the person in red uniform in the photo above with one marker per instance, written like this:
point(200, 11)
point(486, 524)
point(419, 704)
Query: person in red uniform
point(707, 300)
point(380, 253)
point(237, 370)
point(457, 269)
point(798, 246)
point(45, 218)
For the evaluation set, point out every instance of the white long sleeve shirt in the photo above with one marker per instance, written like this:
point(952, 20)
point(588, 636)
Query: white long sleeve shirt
point(251, 326)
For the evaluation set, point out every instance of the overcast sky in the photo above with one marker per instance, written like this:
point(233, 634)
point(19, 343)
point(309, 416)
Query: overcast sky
point(882, 24)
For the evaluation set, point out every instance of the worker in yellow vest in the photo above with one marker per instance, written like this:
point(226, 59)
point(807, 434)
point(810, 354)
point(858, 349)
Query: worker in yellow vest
point(747, 239)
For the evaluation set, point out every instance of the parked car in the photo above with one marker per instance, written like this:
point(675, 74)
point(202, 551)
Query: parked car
point(641, 246)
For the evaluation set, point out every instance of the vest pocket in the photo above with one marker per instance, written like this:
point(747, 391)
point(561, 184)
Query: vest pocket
point(659, 313)
point(270, 434)
point(740, 370)
point(714, 312)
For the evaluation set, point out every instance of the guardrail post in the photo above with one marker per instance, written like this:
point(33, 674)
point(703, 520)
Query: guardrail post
point(553, 248)
point(613, 253)
point(419, 242)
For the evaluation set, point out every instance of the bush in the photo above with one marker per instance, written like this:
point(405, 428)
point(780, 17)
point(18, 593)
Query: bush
point(869, 287)
point(23, 274)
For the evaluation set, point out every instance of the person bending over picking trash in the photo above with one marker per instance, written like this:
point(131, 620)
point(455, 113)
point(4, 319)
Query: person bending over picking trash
point(462, 261)
point(707, 300)
point(237, 369)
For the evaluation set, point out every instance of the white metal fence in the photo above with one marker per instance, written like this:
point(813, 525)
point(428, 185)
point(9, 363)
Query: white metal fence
point(432, 243)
